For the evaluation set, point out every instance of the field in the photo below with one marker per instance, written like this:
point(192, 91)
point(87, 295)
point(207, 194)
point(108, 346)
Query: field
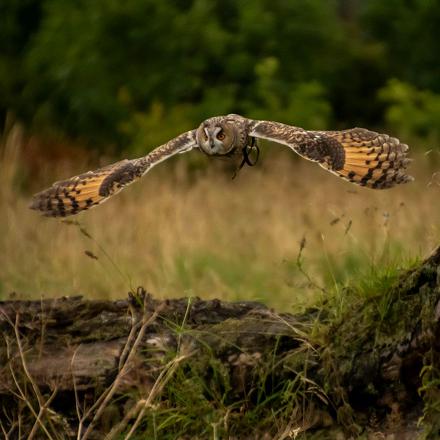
point(189, 229)
point(285, 233)
point(328, 324)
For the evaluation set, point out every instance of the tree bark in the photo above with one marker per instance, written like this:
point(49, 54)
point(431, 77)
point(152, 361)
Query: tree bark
point(362, 368)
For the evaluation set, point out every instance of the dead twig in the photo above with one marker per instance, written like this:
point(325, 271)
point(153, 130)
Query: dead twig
point(98, 407)
point(143, 404)
point(41, 412)
point(299, 265)
point(22, 395)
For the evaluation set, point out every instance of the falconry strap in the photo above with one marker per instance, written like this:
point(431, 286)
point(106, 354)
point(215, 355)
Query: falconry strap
point(247, 158)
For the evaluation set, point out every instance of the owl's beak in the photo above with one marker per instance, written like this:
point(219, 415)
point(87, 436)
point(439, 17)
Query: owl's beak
point(211, 143)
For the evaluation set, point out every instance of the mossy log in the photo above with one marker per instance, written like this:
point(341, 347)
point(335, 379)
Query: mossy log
point(373, 368)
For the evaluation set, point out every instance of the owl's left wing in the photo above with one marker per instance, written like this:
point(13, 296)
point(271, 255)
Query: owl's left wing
point(358, 155)
point(84, 191)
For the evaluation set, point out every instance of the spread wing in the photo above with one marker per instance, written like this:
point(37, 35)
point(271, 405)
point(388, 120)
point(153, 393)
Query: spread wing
point(69, 197)
point(358, 155)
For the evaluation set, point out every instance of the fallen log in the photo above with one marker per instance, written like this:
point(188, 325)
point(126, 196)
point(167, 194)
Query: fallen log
point(78, 368)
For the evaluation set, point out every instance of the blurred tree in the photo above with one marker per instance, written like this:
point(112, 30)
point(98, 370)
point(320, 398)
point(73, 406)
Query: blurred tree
point(95, 65)
point(138, 72)
point(305, 103)
point(408, 31)
point(413, 113)
point(19, 20)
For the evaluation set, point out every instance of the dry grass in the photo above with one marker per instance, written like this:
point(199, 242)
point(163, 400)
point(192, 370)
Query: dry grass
point(41, 421)
point(200, 233)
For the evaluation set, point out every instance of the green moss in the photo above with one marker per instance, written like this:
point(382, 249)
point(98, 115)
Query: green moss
point(306, 370)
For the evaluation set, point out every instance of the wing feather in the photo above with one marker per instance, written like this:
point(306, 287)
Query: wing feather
point(79, 193)
point(358, 155)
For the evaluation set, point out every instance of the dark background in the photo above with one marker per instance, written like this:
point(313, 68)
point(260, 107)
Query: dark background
point(110, 74)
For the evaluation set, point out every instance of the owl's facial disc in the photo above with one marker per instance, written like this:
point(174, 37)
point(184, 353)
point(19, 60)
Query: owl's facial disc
point(215, 139)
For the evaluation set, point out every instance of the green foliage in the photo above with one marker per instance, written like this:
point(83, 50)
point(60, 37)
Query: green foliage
point(305, 102)
point(204, 400)
point(114, 67)
point(18, 22)
point(411, 112)
point(406, 30)
point(133, 73)
point(430, 391)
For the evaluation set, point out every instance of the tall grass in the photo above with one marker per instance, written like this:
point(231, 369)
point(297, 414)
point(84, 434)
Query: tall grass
point(198, 232)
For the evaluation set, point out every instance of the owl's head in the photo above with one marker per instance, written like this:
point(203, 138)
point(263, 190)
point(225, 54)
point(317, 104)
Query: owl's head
point(220, 135)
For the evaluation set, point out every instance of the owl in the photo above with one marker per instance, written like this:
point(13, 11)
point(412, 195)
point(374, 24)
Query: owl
point(357, 155)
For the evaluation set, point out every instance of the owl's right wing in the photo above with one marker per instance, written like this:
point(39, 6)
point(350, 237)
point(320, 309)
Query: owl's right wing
point(358, 155)
point(71, 196)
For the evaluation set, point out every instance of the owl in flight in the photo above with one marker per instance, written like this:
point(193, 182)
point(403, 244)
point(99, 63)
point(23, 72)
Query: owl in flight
point(358, 155)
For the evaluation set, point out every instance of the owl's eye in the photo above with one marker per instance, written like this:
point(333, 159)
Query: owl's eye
point(221, 136)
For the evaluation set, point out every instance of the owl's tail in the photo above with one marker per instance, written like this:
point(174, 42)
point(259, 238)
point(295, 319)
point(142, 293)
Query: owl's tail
point(371, 159)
